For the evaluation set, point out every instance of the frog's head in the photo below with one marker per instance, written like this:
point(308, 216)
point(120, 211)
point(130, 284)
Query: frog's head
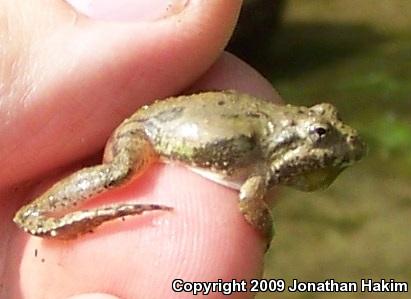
point(315, 147)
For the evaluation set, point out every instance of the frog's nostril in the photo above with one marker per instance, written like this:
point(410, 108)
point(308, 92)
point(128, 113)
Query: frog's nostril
point(353, 140)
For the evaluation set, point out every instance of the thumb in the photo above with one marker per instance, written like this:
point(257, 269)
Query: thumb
point(72, 78)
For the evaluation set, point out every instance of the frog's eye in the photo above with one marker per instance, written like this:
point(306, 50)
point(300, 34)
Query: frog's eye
point(319, 132)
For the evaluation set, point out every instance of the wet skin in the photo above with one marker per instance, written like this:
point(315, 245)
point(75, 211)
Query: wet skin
point(234, 139)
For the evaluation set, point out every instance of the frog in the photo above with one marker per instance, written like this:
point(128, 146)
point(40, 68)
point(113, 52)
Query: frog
point(235, 139)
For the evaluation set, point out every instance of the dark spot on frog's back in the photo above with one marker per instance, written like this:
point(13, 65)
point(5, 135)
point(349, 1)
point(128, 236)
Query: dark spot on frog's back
point(230, 116)
point(253, 114)
point(257, 114)
point(169, 114)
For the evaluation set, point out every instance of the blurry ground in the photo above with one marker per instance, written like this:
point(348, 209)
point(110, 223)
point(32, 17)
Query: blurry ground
point(357, 55)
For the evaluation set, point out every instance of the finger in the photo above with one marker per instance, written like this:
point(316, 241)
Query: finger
point(230, 72)
point(84, 76)
point(205, 238)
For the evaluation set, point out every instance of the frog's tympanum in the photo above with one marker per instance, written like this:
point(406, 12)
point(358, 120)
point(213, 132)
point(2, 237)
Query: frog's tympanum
point(237, 140)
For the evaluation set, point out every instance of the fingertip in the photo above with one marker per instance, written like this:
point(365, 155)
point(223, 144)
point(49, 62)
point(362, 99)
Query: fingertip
point(212, 231)
point(230, 72)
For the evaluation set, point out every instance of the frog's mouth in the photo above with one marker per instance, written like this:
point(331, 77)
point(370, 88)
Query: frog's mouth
point(316, 179)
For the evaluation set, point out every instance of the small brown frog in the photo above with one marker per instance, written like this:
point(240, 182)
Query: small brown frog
point(234, 139)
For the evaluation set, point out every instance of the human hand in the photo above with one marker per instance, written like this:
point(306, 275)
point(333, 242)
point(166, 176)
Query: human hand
point(66, 82)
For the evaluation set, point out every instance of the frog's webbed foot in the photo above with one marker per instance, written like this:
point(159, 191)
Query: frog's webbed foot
point(254, 208)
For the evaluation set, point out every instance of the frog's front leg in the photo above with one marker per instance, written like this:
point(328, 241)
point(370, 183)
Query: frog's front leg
point(253, 206)
point(52, 215)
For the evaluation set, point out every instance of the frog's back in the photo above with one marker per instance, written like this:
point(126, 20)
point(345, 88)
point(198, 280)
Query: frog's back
point(204, 116)
point(186, 126)
point(219, 104)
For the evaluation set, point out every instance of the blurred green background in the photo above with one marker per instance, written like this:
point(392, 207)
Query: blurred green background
point(357, 55)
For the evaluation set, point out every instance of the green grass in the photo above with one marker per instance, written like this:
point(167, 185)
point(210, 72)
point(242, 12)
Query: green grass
point(357, 55)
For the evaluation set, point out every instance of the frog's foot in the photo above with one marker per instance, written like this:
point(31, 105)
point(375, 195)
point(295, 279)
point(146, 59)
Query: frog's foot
point(257, 213)
point(254, 208)
point(77, 223)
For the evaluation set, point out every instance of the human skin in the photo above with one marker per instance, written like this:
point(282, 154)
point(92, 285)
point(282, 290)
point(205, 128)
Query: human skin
point(66, 81)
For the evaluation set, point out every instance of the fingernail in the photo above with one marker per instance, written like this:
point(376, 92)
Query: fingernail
point(128, 10)
point(94, 296)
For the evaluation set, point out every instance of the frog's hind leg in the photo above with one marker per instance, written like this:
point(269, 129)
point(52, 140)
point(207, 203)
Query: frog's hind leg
point(52, 214)
point(80, 222)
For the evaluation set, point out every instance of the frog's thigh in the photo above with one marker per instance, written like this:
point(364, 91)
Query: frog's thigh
point(254, 208)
